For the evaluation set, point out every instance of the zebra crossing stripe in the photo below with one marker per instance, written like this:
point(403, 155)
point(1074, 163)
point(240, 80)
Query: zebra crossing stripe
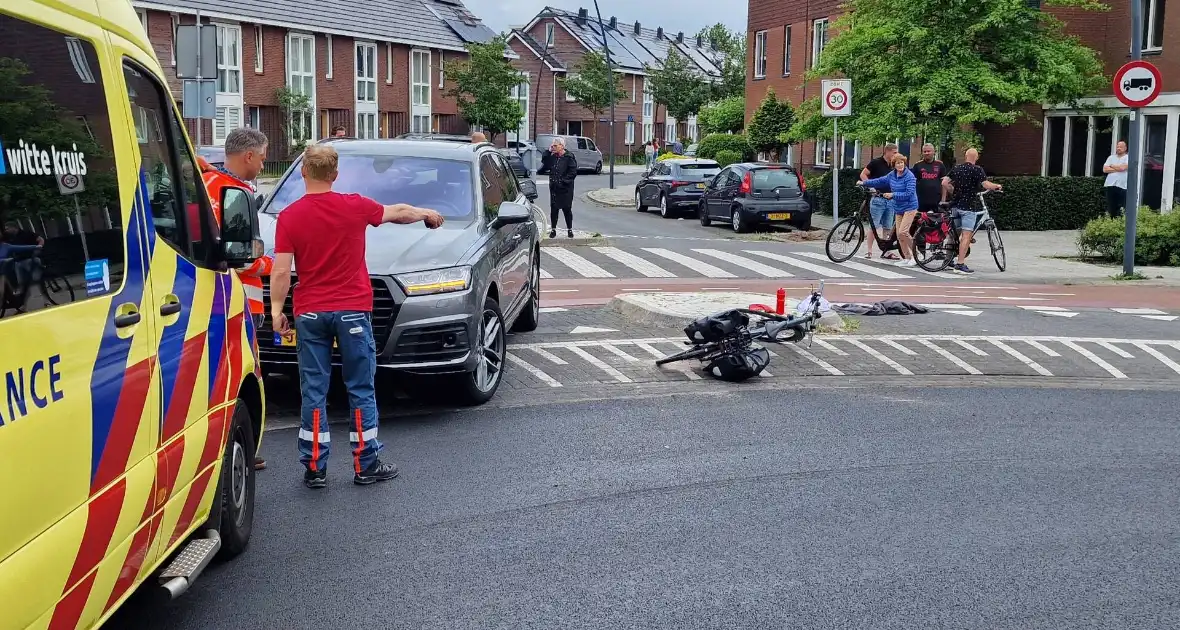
point(580, 265)
point(944, 353)
point(703, 268)
point(545, 275)
point(872, 271)
point(746, 263)
point(644, 267)
point(531, 369)
point(795, 262)
point(1019, 356)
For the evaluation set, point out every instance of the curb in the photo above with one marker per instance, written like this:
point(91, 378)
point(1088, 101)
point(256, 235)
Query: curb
point(626, 306)
point(561, 241)
point(596, 197)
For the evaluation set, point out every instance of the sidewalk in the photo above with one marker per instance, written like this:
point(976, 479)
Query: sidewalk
point(619, 197)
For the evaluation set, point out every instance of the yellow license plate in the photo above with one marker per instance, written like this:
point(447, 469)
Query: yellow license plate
point(701, 186)
point(290, 341)
point(779, 216)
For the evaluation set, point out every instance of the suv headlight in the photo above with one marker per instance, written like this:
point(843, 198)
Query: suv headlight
point(446, 280)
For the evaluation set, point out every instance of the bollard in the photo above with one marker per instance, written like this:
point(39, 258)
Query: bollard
point(780, 305)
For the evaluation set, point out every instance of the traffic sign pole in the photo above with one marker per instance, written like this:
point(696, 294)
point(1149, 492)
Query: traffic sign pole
point(1132, 145)
point(835, 174)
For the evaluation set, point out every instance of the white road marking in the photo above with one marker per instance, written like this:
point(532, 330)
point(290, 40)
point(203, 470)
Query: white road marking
point(599, 363)
point(900, 348)
point(904, 371)
point(1016, 354)
point(746, 263)
point(613, 349)
point(579, 265)
point(1056, 314)
point(545, 275)
point(1159, 356)
point(559, 290)
point(1112, 370)
point(553, 309)
point(829, 347)
point(553, 358)
point(946, 306)
point(1138, 311)
point(816, 360)
point(872, 271)
point(1049, 352)
point(644, 267)
point(721, 288)
point(795, 262)
point(583, 330)
point(1115, 349)
point(1049, 294)
point(1041, 308)
point(946, 354)
point(703, 268)
point(678, 366)
point(643, 289)
point(536, 372)
point(1021, 299)
point(1162, 318)
point(970, 348)
point(967, 313)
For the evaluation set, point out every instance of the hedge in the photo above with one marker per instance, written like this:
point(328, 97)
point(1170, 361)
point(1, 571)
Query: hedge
point(1029, 203)
point(670, 156)
point(1157, 238)
point(713, 143)
point(725, 157)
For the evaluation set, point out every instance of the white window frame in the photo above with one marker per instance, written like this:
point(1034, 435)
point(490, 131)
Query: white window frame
point(855, 153)
point(1149, 21)
point(229, 112)
point(258, 44)
point(303, 74)
point(388, 63)
point(420, 113)
point(568, 97)
point(649, 131)
point(254, 117)
point(787, 50)
point(521, 94)
point(224, 63)
point(670, 129)
point(328, 74)
point(760, 55)
point(649, 102)
point(175, 26)
point(442, 75)
point(629, 133)
point(822, 157)
point(819, 39)
point(360, 80)
point(691, 128)
point(549, 35)
point(634, 84)
point(143, 18)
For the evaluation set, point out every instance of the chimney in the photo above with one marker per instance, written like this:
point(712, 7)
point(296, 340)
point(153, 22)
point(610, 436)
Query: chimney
point(614, 22)
point(680, 37)
point(583, 14)
point(713, 44)
point(660, 32)
point(638, 30)
point(700, 41)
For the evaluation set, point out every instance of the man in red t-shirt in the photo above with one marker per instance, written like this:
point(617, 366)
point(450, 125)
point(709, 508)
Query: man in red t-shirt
point(325, 232)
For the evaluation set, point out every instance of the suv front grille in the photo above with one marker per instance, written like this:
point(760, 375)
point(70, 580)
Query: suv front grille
point(385, 309)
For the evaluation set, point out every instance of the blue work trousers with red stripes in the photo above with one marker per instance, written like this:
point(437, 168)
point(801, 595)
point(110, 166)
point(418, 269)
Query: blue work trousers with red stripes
point(352, 331)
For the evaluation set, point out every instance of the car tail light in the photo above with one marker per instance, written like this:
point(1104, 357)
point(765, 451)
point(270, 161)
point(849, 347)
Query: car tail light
point(678, 184)
point(747, 184)
point(802, 184)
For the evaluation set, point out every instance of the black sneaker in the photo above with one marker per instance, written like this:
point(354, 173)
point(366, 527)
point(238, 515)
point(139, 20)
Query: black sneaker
point(552, 233)
point(569, 233)
point(315, 479)
point(377, 471)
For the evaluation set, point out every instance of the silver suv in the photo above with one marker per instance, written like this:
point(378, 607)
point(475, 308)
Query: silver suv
point(582, 148)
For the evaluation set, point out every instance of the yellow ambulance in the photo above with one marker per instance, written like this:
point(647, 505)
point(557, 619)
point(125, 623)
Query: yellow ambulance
point(131, 402)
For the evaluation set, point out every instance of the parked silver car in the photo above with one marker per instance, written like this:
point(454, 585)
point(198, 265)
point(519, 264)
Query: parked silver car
point(582, 148)
point(442, 299)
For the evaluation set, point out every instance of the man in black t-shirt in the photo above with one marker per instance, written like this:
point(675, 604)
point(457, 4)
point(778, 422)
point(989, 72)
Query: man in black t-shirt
point(964, 182)
point(878, 206)
point(929, 173)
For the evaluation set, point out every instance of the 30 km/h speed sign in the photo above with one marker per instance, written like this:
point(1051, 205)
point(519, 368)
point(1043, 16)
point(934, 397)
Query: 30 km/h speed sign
point(1137, 83)
point(837, 97)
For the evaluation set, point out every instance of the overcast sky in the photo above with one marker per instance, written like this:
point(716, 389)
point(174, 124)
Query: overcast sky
point(679, 15)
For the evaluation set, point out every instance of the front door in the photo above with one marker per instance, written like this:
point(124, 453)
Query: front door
point(229, 82)
point(366, 90)
point(496, 190)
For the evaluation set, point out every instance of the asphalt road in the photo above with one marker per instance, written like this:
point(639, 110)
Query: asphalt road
point(880, 507)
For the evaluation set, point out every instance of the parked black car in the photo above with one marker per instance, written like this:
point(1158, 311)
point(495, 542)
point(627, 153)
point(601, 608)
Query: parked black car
point(515, 162)
point(674, 185)
point(756, 194)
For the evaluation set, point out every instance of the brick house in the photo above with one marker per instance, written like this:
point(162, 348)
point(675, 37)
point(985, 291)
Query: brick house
point(377, 72)
point(551, 45)
point(785, 37)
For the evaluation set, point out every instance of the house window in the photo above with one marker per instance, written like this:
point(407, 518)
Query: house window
point(629, 133)
point(819, 39)
point(549, 34)
point(226, 119)
point(255, 118)
point(760, 55)
point(258, 49)
point(175, 26)
point(670, 130)
point(301, 80)
point(520, 94)
point(649, 103)
point(142, 18)
point(569, 98)
point(420, 91)
point(366, 125)
point(229, 60)
point(691, 128)
point(633, 95)
point(787, 50)
point(823, 152)
point(366, 73)
point(1153, 25)
point(328, 75)
point(442, 77)
point(388, 63)
point(648, 132)
point(1077, 146)
point(850, 153)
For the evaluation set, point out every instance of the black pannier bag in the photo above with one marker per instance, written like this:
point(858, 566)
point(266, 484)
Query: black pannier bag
point(716, 327)
point(740, 365)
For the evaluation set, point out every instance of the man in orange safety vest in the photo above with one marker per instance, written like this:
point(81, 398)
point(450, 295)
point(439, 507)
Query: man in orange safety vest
point(245, 152)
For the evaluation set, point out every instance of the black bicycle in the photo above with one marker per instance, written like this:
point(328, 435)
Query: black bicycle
point(936, 239)
point(845, 238)
point(55, 289)
point(732, 333)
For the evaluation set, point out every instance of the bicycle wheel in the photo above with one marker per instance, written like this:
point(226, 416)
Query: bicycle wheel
point(57, 290)
point(691, 353)
point(997, 243)
point(933, 257)
point(844, 239)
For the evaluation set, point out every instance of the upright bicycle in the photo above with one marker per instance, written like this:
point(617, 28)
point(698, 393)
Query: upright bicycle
point(936, 240)
point(846, 237)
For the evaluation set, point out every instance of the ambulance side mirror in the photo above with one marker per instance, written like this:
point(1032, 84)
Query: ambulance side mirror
point(240, 244)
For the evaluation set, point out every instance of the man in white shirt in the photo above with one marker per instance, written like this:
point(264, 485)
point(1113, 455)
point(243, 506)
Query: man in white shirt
point(1116, 180)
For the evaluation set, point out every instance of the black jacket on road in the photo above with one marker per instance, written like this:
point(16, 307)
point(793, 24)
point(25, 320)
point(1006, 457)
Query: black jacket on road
point(562, 174)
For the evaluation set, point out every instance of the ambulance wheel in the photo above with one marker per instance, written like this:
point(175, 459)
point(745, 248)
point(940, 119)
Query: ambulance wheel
point(234, 505)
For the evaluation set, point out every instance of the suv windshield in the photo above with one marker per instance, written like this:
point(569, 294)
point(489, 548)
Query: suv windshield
point(442, 185)
point(771, 178)
point(697, 172)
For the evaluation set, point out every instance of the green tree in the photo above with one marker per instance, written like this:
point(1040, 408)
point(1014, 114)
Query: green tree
point(770, 122)
point(481, 85)
point(727, 115)
point(941, 69)
point(678, 85)
point(589, 84)
point(732, 46)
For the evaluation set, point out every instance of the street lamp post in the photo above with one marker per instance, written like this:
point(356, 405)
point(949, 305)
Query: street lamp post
point(610, 76)
point(1133, 148)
